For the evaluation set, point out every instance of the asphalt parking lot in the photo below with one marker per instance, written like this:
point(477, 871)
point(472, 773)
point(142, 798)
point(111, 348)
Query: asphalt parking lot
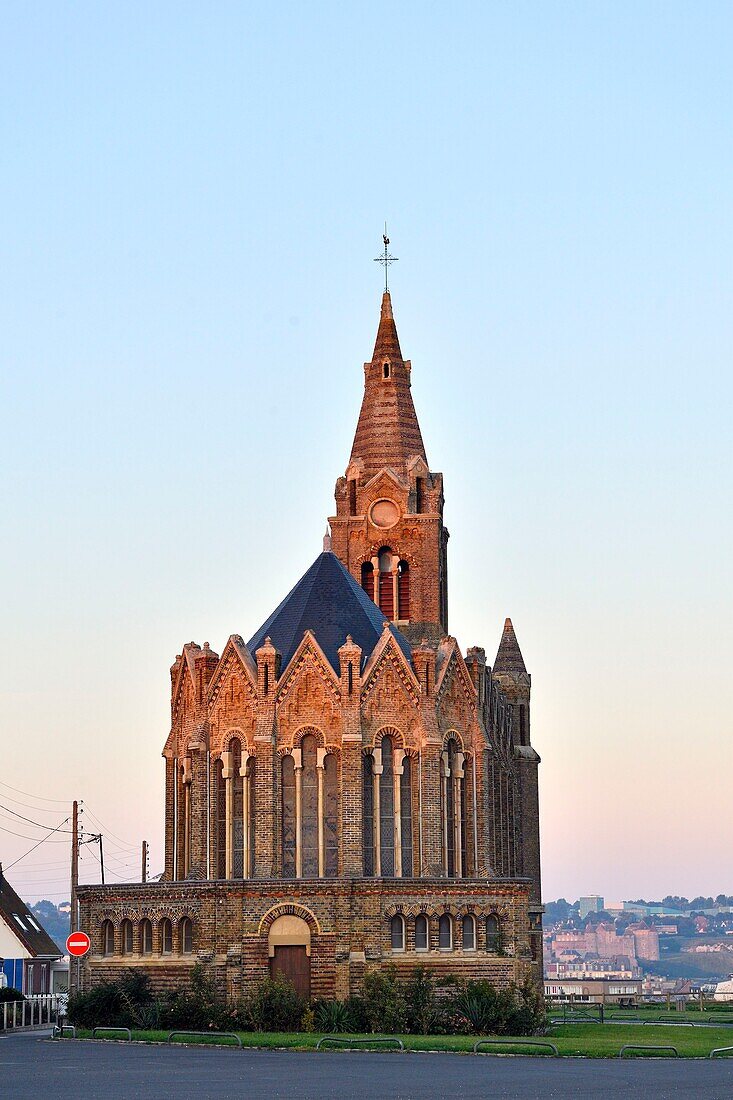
point(31, 1067)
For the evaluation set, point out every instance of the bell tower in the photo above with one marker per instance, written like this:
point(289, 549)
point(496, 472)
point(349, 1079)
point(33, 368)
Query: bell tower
point(388, 529)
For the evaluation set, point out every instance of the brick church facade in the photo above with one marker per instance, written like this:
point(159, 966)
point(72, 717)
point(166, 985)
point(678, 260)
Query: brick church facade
point(347, 788)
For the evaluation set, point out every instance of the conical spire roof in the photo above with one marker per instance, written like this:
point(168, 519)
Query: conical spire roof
point(387, 433)
point(509, 659)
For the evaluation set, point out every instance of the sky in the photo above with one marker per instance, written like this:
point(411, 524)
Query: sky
point(191, 197)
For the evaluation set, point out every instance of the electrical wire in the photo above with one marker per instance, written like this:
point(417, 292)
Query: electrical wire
point(39, 797)
point(28, 819)
point(43, 840)
point(108, 832)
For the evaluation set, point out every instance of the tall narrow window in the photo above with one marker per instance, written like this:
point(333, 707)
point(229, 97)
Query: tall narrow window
point(493, 933)
point(235, 747)
point(385, 370)
point(126, 937)
point(309, 802)
point(330, 814)
point(108, 938)
point(368, 822)
point(445, 932)
point(453, 808)
point(221, 820)
point(288, 816)
point(146, 937)
point(421, 933)
point(403, 590)
point(367, 579)
point(186, 936)
point(397, 931)
point(468, 933)
point(166, 936)
point(418, 494)
point(386, 584)
point(406, 818)
point(386, 810)
point(352, 497)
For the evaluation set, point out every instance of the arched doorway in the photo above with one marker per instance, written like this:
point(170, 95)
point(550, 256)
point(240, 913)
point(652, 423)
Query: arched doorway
point(289, 948)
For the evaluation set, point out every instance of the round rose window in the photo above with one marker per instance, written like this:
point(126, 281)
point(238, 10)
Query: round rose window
point(384, 513)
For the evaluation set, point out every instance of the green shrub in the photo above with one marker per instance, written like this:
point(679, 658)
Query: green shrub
point(9, 994)
point(332, 1016)
point(486, 1010)
point(385, 1003)
point(275, 1006)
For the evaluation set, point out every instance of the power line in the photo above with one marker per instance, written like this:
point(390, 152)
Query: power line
point(28, 819)
point(39, 797)
point(29, 806)
point(108, 832)
point(24, 837)
point(41, 841)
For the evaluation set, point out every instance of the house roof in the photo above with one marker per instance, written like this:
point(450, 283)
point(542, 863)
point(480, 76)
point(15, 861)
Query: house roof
point(328, 602)
point(24, 925)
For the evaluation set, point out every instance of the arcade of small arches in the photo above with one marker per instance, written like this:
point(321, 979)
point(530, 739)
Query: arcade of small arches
point(386, 580)
point(446, 933)
point(147, 937)
point(309, 809)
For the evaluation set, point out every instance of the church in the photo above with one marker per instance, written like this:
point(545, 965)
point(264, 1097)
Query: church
point(348, 788)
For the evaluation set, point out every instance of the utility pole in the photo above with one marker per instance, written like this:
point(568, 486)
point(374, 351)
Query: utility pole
point(73, 916)
point(101, 856)
point(144, 875)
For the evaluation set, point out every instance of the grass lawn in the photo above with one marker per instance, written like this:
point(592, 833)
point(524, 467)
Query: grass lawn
point(586, 1040)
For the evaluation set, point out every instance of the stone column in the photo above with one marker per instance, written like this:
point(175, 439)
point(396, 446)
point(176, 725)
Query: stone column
point(245, 813)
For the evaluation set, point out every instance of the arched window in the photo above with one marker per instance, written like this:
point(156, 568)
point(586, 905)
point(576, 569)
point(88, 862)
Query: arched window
point(397, 932)
point(493, 933)
point(146, 937)
point(367, 579)
point(403, 591)
point(309, 841)
point(108, 938)
point(126, 937)
point(445, 932)
point(386, 584)
point(387, 808)
point(186, 936)
point(166, 937)
point(421, 933)
point(385, 369)
point(468, 933)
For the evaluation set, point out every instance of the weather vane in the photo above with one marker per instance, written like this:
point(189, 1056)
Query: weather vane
point(386, 259)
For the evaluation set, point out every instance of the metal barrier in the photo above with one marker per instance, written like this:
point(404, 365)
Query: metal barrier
point(40, 1010)
point(515, 1043)
point(636, 1046)
point(720, 1050)
point(58, 1031)
point(350, 1041)
point(208, 1035)
point(125, 1029)
point(673, 1023)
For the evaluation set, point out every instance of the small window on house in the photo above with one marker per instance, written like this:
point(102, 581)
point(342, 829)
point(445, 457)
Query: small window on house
point(421, 933)
point(17, 918)
point(397, 931)
point(186, 936)
point(445, 932)
point(166, 937)
point(493, 933)
point(126, 937)
point(32, 922)
point(468, 933)
point(146, 937)
point(108, 938)
point(385, 370)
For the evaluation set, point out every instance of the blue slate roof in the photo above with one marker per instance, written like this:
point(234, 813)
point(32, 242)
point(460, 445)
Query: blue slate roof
point(327, 601)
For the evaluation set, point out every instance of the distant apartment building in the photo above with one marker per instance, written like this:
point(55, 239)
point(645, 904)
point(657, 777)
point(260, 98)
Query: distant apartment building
point(592, 904)
point(594, 990)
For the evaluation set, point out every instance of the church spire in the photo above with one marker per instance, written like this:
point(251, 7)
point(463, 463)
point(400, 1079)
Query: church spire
point(509, 660)
point(387, 433)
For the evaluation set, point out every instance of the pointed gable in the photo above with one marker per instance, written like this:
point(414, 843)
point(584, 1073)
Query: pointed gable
point(387, 433)
point(328, 602)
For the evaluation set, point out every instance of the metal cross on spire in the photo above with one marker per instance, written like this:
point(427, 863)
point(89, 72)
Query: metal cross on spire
point(386, 259)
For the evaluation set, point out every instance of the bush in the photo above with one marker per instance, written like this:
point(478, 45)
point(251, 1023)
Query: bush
point(332, 1016)
point(123, 1003)
point(9, 994)
point(275, 1006)
point(486, 1010)
point(385, 1002)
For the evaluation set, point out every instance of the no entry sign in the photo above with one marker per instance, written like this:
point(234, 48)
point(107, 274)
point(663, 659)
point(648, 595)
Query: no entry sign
point(78, 943)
